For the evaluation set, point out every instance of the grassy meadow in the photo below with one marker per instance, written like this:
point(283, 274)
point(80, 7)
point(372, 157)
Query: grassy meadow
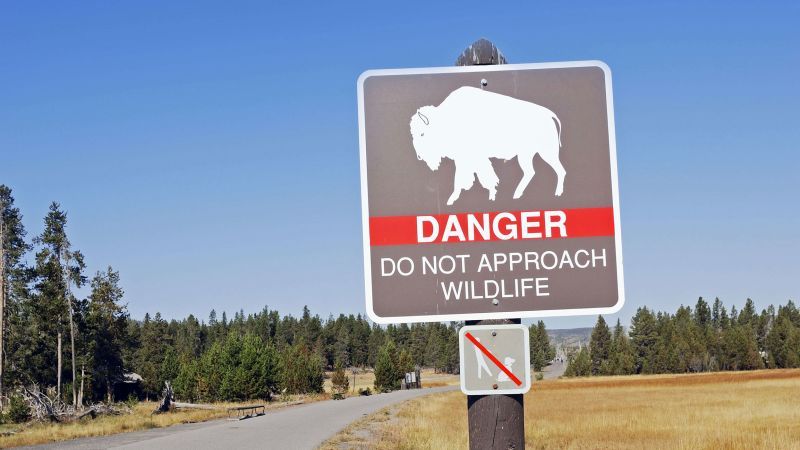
point(731, 410)
point(366, 379)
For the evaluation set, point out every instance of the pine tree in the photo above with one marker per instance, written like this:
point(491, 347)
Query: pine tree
point(600, 347)
point(622, 359)
point(748, 315)
point(301, 370)
point(154, 340)
point(579, 365)
point(644, 338)
point(106, 323)
point(13, 279)
point(541, 350)
point(387, 373)
point(783, 342)
point(405, 363)
point(57, 267)
point(702, 313)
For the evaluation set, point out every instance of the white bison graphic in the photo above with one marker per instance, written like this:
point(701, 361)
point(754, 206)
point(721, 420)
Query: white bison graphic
point(472, 125)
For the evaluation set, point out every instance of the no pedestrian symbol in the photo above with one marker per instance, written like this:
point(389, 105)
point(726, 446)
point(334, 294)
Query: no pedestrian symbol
point(495, 359)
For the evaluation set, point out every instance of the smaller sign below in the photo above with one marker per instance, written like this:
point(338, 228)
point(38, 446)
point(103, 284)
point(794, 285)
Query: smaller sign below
point(495, 359)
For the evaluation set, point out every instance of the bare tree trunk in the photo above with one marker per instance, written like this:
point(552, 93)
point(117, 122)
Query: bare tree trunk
point(72, 344)
point(2, 299)
point(80, 393)
point(68, 299)
point(109, 390)
point(58, 373)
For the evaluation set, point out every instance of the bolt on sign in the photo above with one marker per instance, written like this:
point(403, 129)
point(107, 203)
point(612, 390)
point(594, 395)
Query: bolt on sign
point(489, 192)
point(495, 359)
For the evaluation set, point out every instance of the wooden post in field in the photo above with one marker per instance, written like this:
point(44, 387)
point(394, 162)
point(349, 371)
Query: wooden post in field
point(495, 421)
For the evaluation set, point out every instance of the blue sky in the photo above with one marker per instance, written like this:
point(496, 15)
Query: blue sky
point(208, 150)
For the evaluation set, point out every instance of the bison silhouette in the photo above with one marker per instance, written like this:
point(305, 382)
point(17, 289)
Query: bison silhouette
point(472, 125)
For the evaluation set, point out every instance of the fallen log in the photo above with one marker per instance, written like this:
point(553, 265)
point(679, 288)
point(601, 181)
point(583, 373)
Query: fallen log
point(46, 408)
point(180, 405)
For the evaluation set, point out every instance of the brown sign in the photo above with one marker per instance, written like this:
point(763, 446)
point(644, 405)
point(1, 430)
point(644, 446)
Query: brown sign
point(489, 192)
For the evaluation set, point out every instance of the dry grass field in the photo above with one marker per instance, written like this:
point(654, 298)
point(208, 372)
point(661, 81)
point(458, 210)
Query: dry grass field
point(140, 419)
point(745, 410)
point(366, 379)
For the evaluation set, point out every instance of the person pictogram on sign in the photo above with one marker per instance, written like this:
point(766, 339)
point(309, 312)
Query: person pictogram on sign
point(508, 362)
point(481, 362)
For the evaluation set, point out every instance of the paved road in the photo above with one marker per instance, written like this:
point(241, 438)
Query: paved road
point(554, 370)
point(296, 427)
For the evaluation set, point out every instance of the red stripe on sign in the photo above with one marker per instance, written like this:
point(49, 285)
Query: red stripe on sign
point(493, 358)
point(491, 226)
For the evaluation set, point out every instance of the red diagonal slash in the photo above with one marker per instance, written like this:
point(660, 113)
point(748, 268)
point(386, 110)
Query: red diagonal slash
point(493, 358)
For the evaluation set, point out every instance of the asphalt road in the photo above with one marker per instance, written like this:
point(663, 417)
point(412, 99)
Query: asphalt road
point(296, 427)
point(554, 370)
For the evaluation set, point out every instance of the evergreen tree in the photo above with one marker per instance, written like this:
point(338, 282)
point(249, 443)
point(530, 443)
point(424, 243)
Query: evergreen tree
point(702, 313)
point(783, 342)
point(622, 360)
point(644, 338)
point(748, 315)
point(57, 267)
point(600, 347)
point(541, 350)
point(154, 340)
point(13, 287)
point(387, 372)
point(106, 327)
point(301, 370)
point(579, 365)
point(405, 363)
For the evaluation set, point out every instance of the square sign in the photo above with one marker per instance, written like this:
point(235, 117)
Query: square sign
point(495, 359)
point(489, 192)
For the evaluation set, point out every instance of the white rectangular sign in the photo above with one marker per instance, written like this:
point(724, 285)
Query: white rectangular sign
point(495, 359)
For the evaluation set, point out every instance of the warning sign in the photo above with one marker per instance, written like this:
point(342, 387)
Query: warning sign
point(495, 359)
point(489, 192)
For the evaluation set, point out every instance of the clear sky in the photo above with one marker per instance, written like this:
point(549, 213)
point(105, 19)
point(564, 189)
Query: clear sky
point(209, 150)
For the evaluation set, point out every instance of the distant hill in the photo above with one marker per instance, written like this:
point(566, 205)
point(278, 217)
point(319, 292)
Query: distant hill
point(570, 337)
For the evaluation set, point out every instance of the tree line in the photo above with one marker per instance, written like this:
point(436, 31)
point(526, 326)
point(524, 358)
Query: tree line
point(705, 338)
point(85, 348)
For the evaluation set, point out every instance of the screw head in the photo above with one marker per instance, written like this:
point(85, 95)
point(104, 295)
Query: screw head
point(494, 333)
point(494, 386)
point(484, 83)
point(495, 302)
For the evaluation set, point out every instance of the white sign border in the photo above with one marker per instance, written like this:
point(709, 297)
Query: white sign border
point(526, 386)
point(612, 142)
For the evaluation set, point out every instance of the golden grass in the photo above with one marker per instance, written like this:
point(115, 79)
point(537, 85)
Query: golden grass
point(367, 380)
point(140, 419)
point(745, 410)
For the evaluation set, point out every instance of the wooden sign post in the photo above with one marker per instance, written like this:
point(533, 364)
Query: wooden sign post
point(496, 422)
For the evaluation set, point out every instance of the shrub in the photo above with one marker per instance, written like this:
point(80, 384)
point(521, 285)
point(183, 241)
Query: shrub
point(539, 376)
point(364, 392)
point(132, 400)
point(339, 381)
point(18, 410)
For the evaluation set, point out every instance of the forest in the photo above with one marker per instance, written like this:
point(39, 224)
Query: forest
point(86, 350)
point(89, 349)
point(705, 338)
